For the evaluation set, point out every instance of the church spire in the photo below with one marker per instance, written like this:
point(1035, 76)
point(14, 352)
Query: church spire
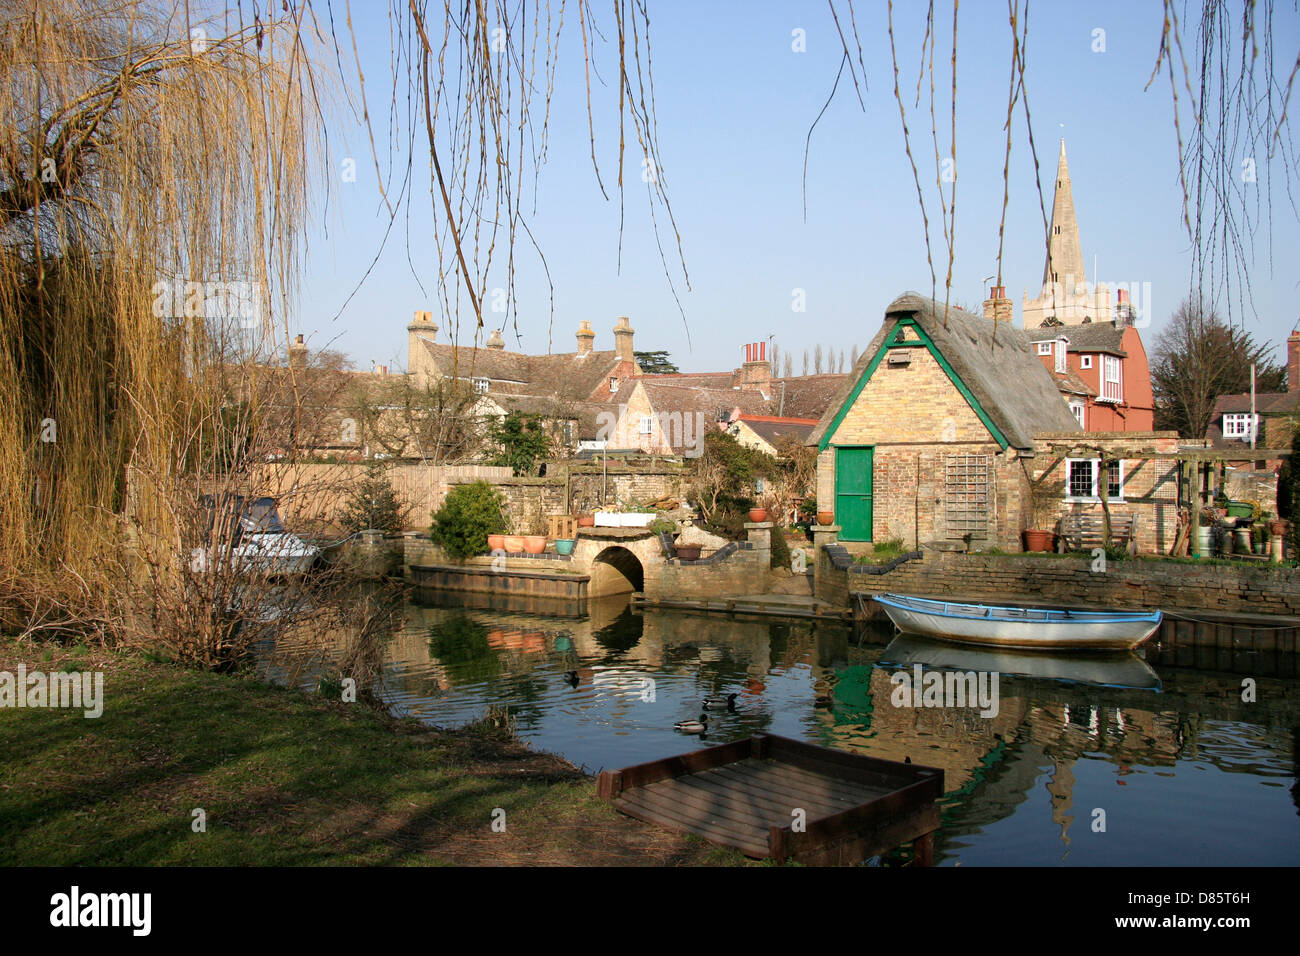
point(1065, 258)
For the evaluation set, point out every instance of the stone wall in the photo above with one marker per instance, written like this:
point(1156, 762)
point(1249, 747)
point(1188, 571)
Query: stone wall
point(739, 573)
point(1071, 581)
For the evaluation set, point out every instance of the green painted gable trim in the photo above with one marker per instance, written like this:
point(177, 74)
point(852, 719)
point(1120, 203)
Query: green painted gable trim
point(927, 343)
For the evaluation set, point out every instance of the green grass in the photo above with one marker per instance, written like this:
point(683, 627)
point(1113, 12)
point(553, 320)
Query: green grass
point(285, 778)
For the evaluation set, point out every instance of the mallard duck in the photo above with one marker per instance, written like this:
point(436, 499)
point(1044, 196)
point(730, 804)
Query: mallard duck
point(571, 678)
point(717, 700)
point(693, 726)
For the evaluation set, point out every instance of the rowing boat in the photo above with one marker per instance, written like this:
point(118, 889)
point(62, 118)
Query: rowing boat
point(1030, 628)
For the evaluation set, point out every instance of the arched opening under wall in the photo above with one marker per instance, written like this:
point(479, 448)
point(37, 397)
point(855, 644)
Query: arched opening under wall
point(615, 571)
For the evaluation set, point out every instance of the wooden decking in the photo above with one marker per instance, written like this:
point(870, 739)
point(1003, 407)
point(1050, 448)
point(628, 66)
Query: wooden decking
point(769, 796)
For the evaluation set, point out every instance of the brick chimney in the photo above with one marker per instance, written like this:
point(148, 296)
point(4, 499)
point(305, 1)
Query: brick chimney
point(756, 373)
point(623, 340)
point(298, 353)
point(1293, 361)
point(997, 306)
point(585, 337)
point(495, 341)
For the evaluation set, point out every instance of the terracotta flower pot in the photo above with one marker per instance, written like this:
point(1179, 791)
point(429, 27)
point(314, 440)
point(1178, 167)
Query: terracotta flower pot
point(496, 542)
point(688, 552)
point(757, 514)
point(1036, 539)
point(535, 543)
point(514, 543)
point(1277, 526)
point(825, 517)
point(586, 521)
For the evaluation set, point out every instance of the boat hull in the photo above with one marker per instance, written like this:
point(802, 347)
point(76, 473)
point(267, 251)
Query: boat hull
point(1025, 628)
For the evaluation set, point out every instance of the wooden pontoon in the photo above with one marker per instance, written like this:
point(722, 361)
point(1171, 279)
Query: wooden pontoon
point(748, 795)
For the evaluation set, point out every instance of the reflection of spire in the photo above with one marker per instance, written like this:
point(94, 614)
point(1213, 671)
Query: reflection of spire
point(1061, 787)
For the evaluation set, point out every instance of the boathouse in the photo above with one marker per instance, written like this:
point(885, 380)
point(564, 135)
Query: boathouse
point(931, 438)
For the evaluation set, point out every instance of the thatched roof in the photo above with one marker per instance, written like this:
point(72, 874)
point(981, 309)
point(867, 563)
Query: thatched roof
point(991, 358)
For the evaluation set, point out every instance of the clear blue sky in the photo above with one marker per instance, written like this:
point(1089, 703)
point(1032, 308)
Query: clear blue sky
point(734, 105)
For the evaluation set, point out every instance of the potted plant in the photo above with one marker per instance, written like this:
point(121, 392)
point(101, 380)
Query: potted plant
point(514, 543)
point(564, 545)
point(496, 542)
point(825, 517)
point(1206, 520)
point(586, 521)
point(1045, 499)
point(757, 514)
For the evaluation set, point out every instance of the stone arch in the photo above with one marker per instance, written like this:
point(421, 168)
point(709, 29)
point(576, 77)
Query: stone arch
point(616, 570)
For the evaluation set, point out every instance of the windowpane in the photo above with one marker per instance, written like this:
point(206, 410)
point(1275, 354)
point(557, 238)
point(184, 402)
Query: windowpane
point(1114, 480)
point(1081, 478)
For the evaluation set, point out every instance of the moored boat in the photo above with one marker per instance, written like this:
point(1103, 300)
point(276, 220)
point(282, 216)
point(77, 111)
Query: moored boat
point(1022, 627)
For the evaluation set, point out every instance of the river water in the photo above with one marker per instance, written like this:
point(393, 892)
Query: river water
point(1088, 762)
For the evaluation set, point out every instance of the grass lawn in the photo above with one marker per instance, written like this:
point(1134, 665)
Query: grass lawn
point(286, 778)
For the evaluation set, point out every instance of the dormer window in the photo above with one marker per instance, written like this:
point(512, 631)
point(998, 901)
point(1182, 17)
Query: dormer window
point(1062, 351)
point(1237, 425)
point(481, 386)
point(613, 384)
point(1044, 348)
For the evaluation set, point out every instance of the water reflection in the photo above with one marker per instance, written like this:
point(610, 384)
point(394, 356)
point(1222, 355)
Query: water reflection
point(1175, 759)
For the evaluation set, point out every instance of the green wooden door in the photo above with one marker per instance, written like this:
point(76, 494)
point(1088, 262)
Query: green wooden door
point(853, 493)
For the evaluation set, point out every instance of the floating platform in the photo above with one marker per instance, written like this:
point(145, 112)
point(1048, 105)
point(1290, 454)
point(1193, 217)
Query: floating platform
point(763, 605)
point(770, 796)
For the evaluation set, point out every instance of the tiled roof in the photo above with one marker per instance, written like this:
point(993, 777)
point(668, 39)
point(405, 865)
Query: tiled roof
point(806, 396)
point(1070, 383)
point(1093, 337)
point(569, 375)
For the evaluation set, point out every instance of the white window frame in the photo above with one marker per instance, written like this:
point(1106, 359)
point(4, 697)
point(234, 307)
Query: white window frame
point(1237, 425)
point(647, 425)
point(1079, 409)
point(1096, 469)
point(481, 385)
point(1112, 386)
point(613, 383)
point(1062, 354)
point(1044, 348)
point(1085, 361)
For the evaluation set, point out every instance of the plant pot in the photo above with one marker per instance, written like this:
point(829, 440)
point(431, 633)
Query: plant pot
point(826, 517)
point(564, 546)
point(496, 542)
point(757, 514)
point(1036, 539)
point(1204, 541)
point(514, 543)
point(1277, 527)
point(1242, 543)
point(534, 543)
point(586, 521)
point(1240, 509)
point(688, 552)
